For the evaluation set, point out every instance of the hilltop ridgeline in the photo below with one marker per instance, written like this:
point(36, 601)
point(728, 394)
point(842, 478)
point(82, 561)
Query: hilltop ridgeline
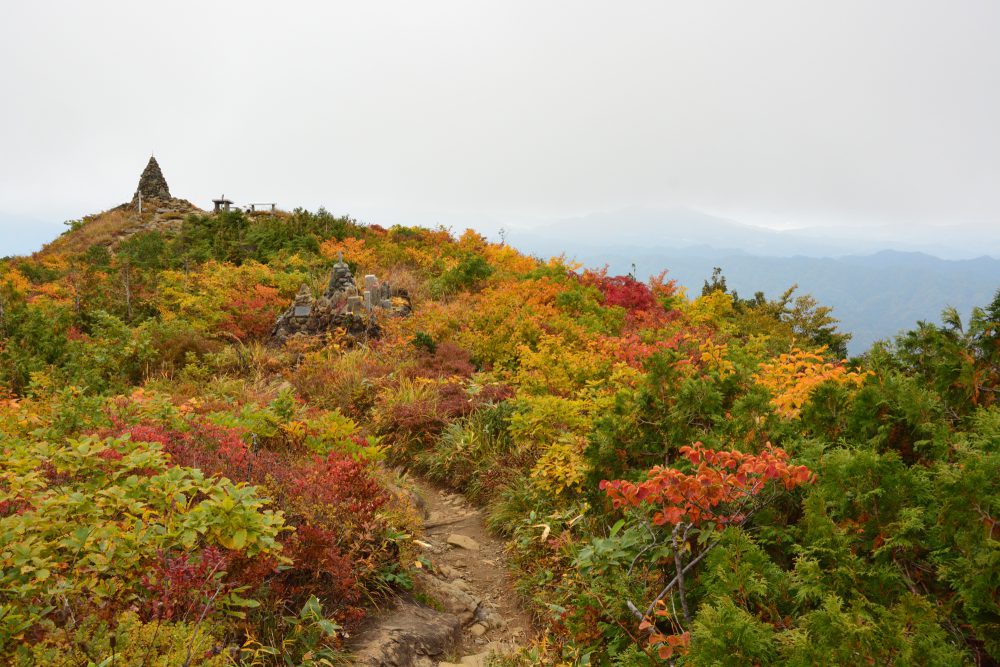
point(680, 479)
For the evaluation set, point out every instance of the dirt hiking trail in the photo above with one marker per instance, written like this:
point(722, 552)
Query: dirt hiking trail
point(463, 608)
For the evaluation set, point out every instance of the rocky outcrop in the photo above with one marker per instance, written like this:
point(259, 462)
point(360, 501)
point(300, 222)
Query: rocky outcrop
point(410, 635)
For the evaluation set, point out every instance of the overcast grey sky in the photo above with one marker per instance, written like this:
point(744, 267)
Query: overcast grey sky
point(795, 113)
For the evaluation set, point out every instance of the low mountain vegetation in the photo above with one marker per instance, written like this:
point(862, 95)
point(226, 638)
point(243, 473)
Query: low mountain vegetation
point(687, 480)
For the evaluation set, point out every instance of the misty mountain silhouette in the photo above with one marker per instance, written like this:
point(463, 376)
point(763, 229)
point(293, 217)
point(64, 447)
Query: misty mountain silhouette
point(875, 292)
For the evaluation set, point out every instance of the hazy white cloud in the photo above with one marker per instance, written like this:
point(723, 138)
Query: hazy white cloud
point(839, 114)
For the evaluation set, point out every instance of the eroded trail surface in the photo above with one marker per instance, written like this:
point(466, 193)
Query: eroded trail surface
point(464, 606)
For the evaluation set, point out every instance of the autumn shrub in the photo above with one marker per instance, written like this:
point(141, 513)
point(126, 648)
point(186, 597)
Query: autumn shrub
point(540, 420)
point(586, 305)
point(332, 500)
point(408, 413)
point(339, 545)
point(331, 431)
point(561, 468)
point(128, 641)
point(226, 299)
point(469, 273)
point(442, 360)
point(80, 534)
point(199, 444)
point(174, 342)
point(475, 454)
point(625, 291)
point(678, 520)
point(553, 368)
point(336, 488)
point(347, 381)
point(502, 318)
point(251, 316)
point(793, 377)
point(183, 586)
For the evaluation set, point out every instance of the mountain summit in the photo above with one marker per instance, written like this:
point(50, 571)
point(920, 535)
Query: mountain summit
point(152, 184)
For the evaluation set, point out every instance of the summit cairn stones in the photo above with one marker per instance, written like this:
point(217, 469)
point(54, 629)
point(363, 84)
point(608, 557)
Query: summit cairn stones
point(341, 278)
point(158, 210)
point(303, 304)
point(341, 306)
point(152, 184)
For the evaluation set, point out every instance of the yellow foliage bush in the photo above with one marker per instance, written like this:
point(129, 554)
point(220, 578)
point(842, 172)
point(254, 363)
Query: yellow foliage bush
point(137, 644)
point(561, 467)
point(713, 357)
point(541, 420)
point(558, 369)
point(712, 308)
point(792, 378)
point(356, 250)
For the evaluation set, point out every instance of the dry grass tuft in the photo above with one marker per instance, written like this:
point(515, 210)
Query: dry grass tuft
point(98, 229)
point(114, 225)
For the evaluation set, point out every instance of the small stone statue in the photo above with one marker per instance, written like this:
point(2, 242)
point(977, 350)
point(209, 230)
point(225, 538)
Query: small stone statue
point(340, 278)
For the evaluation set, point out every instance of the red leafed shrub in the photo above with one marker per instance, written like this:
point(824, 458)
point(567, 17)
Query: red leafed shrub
point(448, 360)
point(412, 420)
point(13, 506)
point(496, 392)
point(252, 315)
point(331, 502)
point(110, 454)
point(52, 475)
point(632, 350)
point(322, 569)
point(454, 401)
point(208, 447)
point(721, 488)
point(332, 486)
point(186, 586)
point(624, 291)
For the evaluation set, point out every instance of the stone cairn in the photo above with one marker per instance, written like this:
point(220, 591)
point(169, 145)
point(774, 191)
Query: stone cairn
point(341, 306)
point(152, 198)
point(152, 185)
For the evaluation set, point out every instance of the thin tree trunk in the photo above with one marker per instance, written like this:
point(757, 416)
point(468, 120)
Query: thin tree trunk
point(679, 566)
point(127, 282)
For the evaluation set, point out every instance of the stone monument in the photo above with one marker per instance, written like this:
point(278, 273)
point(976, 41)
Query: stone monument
point(342, 306)
point(152, 185)
point(341, 279)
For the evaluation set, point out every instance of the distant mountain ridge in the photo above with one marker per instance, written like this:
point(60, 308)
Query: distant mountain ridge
point(875, 292)
point(686, 230)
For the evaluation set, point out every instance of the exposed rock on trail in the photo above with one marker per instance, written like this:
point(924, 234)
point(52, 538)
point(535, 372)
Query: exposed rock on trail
point(475, 610)
point(408, 634)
